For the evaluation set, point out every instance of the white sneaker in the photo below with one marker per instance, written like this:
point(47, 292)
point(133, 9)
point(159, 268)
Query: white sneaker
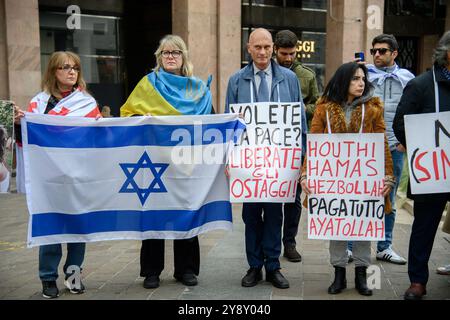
point(73, 288)
point(445, 270)
point(389, 255)
point(350, 255)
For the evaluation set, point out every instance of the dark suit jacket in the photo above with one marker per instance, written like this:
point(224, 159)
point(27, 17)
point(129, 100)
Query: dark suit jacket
point(418, 97)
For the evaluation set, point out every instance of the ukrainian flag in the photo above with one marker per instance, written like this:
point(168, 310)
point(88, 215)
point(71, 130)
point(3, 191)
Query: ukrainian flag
point(161, 93)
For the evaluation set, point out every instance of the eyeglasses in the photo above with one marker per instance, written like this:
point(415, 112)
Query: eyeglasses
point(67, 68)
point(175, 54)
point(380, 50)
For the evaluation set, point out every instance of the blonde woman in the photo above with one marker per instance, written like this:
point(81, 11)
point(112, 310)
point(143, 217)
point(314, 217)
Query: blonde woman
point(64, 94)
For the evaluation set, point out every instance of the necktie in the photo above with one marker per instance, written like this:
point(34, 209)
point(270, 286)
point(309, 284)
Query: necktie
point(263, 90)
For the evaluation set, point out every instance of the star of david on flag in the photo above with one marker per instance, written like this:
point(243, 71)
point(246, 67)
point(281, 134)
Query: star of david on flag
point(131, 169)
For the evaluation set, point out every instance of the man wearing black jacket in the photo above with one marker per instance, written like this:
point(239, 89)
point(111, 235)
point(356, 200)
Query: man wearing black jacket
point(419, 97)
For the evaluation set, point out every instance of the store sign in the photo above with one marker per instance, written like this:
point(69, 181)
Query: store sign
point(305, 49)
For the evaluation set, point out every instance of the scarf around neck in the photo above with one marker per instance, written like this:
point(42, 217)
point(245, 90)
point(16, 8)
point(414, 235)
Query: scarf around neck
point(379, 75)
point(189, 95)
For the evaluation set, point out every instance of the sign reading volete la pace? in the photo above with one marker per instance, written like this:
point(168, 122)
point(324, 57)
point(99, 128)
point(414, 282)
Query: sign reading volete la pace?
point(428, 150)
point(346, 178)
point(265, 165)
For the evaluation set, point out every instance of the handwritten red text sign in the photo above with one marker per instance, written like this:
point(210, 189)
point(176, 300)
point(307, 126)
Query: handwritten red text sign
point(265, 165)
point(346, 177)
point(428, 143)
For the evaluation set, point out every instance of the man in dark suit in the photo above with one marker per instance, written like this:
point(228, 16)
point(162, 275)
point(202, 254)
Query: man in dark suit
point(419, 97)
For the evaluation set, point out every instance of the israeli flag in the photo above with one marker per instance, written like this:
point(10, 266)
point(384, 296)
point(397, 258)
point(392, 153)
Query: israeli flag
point(126, 178)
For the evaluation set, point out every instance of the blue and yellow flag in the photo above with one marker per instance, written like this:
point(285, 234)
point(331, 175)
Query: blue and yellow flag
point(161, 93)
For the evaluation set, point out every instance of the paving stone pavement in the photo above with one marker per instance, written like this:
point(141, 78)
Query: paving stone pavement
point(111, 268)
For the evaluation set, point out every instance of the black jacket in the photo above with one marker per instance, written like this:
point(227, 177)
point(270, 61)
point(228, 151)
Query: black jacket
point(418, 97)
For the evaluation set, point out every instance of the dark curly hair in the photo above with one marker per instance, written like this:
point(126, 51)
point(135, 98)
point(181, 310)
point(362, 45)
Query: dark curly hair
point(386, 38)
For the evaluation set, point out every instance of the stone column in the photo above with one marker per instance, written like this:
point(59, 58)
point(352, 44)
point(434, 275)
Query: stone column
point(180, 21)
point(374, 20)
point(351, 26)
point(212, 31)
point(428, 44)
point(229, 46)
point(196, 22)
point(23, 62)
point(4, 83)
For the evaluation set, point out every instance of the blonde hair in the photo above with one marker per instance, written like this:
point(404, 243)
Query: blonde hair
point(187, 69)
point(57, 60)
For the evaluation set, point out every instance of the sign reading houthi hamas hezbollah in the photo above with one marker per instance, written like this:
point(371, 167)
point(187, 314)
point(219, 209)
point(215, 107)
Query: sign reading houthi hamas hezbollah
point(345, 174)
point(126, 178)
point(428, 150)
point(265, 165)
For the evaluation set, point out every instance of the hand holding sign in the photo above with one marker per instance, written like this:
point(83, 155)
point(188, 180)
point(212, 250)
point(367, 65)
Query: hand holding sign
point(264, 166)
point(345, 186)
point(386, 190)
point(304, 183)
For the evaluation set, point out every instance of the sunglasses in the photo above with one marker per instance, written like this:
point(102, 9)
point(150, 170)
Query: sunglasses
point(380, 50)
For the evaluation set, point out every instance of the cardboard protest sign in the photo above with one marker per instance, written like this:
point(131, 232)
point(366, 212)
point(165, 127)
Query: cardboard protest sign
point(428, 150)
point(265, 165)
point(345, 173)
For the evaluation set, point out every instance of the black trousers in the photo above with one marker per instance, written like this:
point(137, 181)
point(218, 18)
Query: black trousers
point(292, 213)
point(427, 216)
point(186, 256)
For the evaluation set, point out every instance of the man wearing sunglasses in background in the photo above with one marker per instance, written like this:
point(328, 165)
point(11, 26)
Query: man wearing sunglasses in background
point(389, 80)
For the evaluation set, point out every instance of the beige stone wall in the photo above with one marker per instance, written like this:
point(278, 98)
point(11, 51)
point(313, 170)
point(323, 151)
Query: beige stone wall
point(350, 29)
point(23, 49)
point(212, 31)
point(427, 46)
point(229, 56)
point(370, 33)
point(180, 14)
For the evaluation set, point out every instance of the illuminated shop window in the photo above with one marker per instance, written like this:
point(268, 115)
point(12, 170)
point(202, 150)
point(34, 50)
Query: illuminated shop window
point(97, 42)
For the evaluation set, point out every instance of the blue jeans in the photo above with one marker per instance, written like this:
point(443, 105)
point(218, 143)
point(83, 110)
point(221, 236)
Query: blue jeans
point(50, 256)
point(389, 219)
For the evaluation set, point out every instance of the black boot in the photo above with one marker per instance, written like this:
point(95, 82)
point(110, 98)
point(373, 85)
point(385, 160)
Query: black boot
point(361, 281)
point(340, 282)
